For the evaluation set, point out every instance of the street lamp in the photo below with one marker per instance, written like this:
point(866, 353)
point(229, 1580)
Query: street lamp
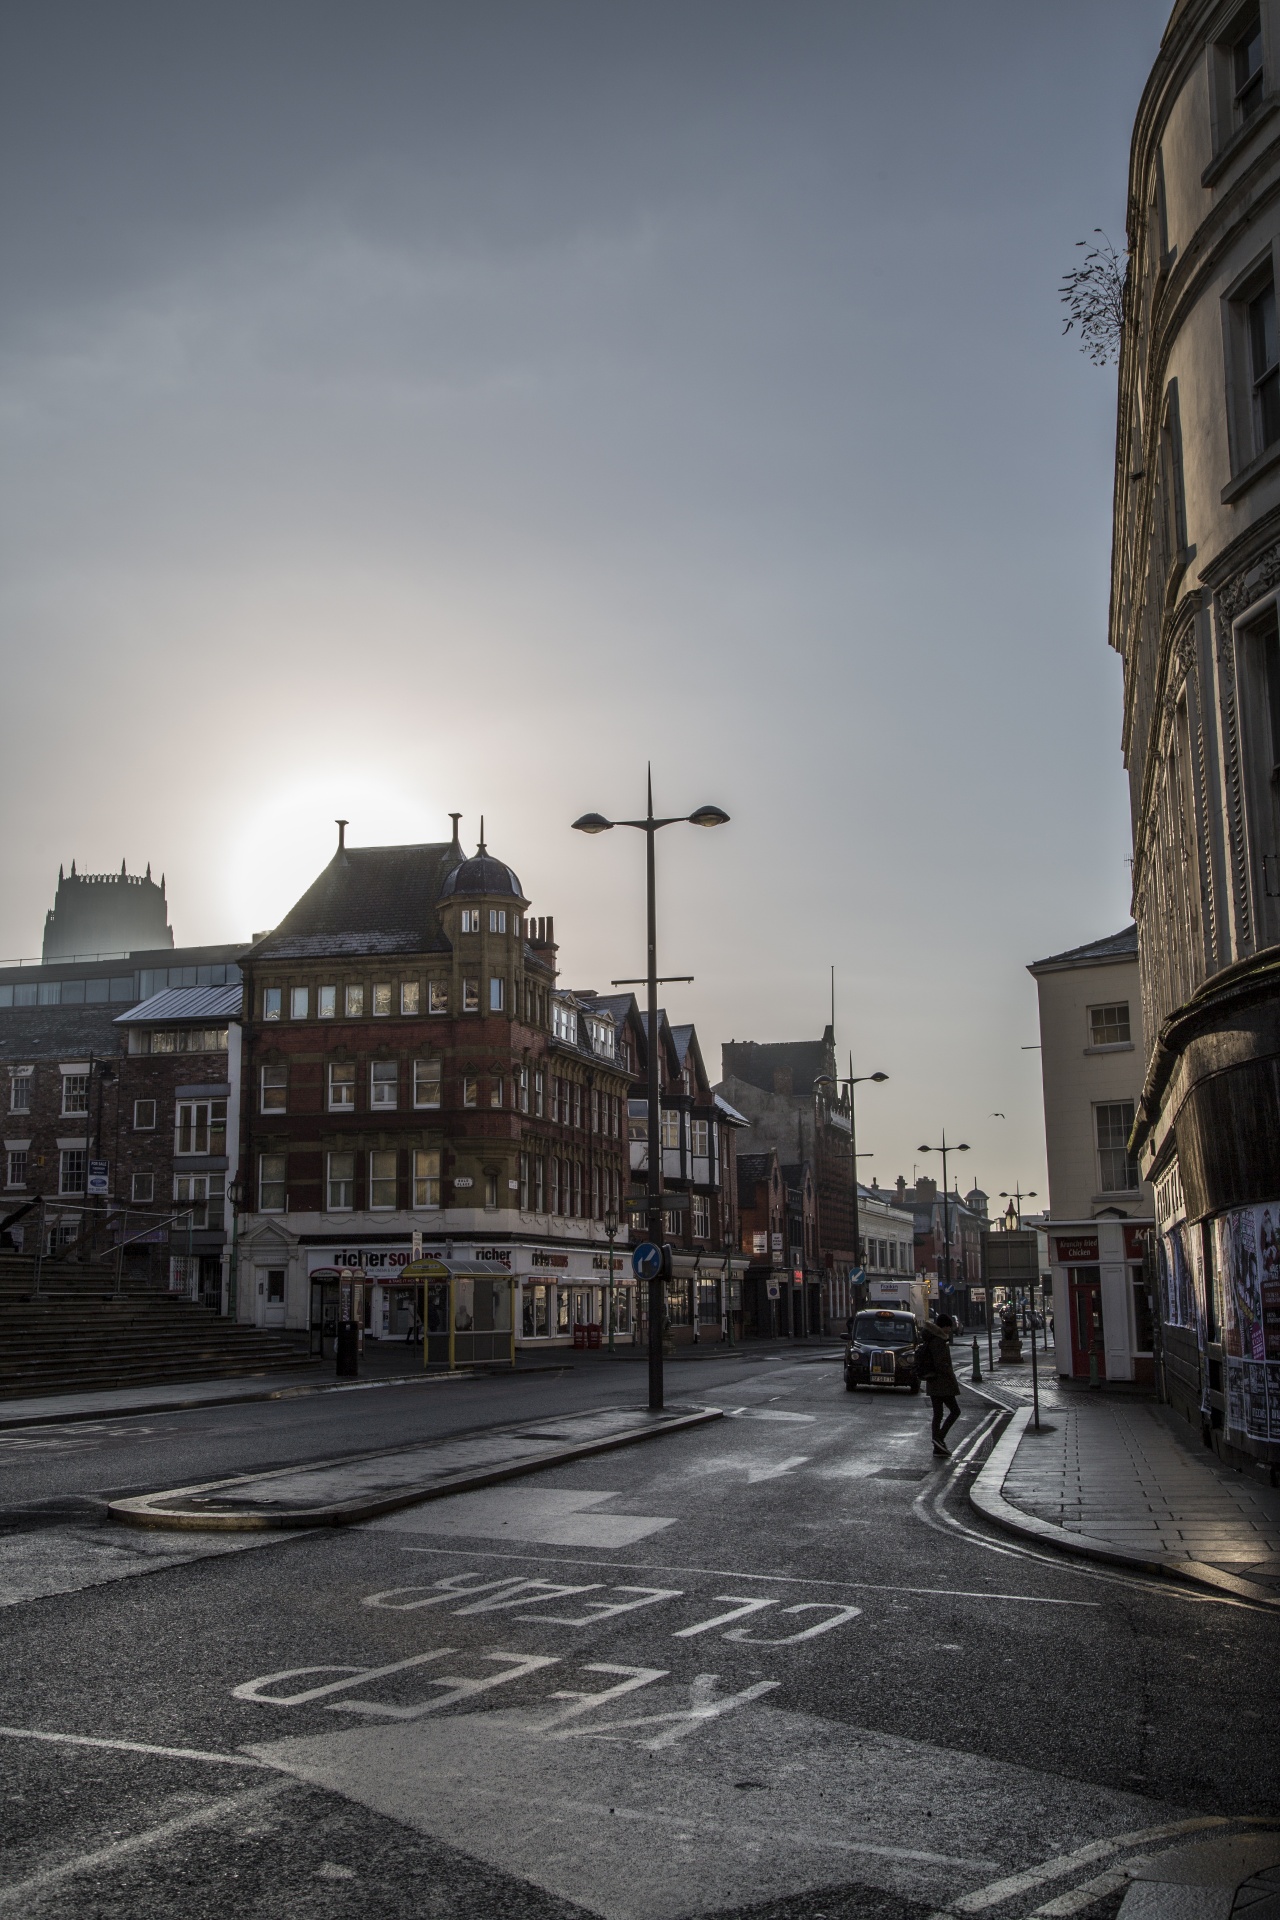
point(1015, 1200)
point(944, 1150)
point(611, 1233)
point(855, 1080)
point(596, 823)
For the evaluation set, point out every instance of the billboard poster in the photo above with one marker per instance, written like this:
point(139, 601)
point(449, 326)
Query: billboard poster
point(1247, 1247)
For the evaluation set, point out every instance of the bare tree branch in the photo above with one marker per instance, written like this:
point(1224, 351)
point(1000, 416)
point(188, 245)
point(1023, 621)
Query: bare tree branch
point(1093, 294)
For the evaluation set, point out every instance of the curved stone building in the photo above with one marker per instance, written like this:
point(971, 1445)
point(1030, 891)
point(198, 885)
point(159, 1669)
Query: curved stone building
point(1195, 584)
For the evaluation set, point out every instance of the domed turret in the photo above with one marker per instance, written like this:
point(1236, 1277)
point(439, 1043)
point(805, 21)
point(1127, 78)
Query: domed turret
point(482, 874)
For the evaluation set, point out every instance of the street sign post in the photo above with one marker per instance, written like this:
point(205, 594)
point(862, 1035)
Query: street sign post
point(647, 1261)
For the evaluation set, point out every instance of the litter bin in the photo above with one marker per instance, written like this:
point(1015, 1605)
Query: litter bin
point(348, 1350)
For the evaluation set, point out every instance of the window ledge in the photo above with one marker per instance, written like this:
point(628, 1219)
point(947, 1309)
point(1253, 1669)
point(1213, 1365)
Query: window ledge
point(1246, 477)
point(1239, 140)
point(1112, 1046)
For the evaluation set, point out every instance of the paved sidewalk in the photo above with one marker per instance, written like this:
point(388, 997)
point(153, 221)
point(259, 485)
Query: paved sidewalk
point(1126, 1480)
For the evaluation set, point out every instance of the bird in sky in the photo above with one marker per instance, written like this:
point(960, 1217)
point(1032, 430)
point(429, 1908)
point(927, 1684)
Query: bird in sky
point(997, 1116)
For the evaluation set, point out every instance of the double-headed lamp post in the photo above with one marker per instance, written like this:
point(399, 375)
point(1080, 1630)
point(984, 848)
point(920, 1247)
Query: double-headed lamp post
point(944, 1150)
point(649, 826)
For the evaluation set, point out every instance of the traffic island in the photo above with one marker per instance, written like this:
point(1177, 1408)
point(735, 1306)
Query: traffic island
point(343, 1493)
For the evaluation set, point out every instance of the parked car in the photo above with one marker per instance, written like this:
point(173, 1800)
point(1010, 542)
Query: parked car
point(882, 1351)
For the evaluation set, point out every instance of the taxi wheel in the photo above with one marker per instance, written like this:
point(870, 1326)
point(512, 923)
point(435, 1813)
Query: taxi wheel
point(850, 1384)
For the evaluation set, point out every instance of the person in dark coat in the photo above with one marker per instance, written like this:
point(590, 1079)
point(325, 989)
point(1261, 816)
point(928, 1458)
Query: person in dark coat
point(940, 1381)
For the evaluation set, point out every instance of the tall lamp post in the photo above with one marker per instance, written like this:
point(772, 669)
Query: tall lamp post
point(649, 826)
point(611, 1233)
point(944, 1150)
point(855, 1080)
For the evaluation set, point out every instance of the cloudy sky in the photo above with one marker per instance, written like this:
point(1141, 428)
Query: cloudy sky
point(418, 406)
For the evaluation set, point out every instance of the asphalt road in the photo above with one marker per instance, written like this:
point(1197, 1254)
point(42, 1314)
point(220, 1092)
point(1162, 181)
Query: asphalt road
point(772, 1666)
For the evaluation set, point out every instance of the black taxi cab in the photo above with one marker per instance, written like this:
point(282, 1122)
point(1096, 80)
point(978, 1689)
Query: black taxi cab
point(882, 1351)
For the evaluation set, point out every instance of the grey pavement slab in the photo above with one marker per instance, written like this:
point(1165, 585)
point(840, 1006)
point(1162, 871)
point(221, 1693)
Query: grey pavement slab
point(1114, 1479)
point(343, 1492)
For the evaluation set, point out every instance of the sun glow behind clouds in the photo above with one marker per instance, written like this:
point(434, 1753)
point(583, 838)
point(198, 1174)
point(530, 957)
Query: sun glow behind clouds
point(280, 845)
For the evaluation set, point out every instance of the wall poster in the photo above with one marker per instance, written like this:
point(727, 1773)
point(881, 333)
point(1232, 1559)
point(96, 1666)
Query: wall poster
point(1247, 1249)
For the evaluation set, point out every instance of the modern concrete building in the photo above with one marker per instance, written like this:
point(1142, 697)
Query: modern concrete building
point(1100, 1211)
point(1195, 583)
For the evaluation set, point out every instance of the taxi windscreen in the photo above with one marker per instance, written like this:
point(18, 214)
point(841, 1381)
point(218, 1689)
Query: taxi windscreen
point(885, 1330)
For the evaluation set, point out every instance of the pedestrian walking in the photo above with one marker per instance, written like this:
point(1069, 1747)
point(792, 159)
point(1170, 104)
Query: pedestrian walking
point(939, 1376)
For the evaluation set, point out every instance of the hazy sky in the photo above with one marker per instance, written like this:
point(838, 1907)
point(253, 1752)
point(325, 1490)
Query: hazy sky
point(412, 406)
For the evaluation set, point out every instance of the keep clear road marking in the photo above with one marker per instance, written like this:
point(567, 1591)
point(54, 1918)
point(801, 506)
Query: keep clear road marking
point(128, 1746)
point(515, 1594)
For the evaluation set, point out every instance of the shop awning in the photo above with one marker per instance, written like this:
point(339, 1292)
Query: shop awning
point(430, 1268)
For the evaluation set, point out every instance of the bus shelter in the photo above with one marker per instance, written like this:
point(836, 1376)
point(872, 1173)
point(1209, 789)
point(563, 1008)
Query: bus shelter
point(470, 1312)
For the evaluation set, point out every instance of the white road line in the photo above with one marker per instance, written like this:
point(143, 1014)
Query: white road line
point(928, 1507)
point(1064, 1863)
point(21, 1892)
point(129, 1746)
point(781, 1579)
point(1082, 1896)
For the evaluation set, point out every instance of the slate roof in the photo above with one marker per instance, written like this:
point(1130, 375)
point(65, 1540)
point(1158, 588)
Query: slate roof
point(186, 1003)
point(484, 874)
point(759, 1062)
point(1115, 946)
point(368, 900)
point(60, 1033)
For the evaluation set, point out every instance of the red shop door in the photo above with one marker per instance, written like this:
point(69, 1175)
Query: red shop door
point(1085, 1284)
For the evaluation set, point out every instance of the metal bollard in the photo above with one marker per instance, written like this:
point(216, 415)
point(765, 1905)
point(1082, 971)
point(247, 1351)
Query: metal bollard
point(977, 1364)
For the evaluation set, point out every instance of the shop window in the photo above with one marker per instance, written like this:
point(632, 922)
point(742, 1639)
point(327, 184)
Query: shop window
point(562, 1310)
point(536, 1321)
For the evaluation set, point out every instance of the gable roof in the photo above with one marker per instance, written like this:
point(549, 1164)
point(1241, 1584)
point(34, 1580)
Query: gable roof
point(367, 900)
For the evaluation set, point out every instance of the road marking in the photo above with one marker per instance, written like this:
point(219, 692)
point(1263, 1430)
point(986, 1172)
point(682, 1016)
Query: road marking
point(19, 1893)
point(766, 1413)
point(1064, 1863)
point(739, 1609)
point(606, 1609)
point(1082, 1896)
point(705, 1705)
point(741, 1573)
point(841, 1615)
point(757, 1474)
point(462, 1687)
point(356, 1677)
point(129, 1746)
point(587, 1702)
point(550, 1516)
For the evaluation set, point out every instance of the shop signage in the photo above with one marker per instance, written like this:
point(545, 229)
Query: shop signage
point(497, 1256)
point(600, 1263)
point(374, 1261)
point(540, 1258)
point(1078, 1249)
point(1134, 1242)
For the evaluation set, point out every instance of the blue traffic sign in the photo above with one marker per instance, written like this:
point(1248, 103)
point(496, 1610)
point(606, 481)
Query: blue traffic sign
point(646, 1260)
point(856, 1276)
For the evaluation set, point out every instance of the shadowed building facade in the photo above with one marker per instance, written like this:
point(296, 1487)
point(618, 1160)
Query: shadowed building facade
point(1194, 589)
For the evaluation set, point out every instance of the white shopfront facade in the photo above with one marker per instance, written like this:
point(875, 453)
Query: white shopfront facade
point(557, 1289)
